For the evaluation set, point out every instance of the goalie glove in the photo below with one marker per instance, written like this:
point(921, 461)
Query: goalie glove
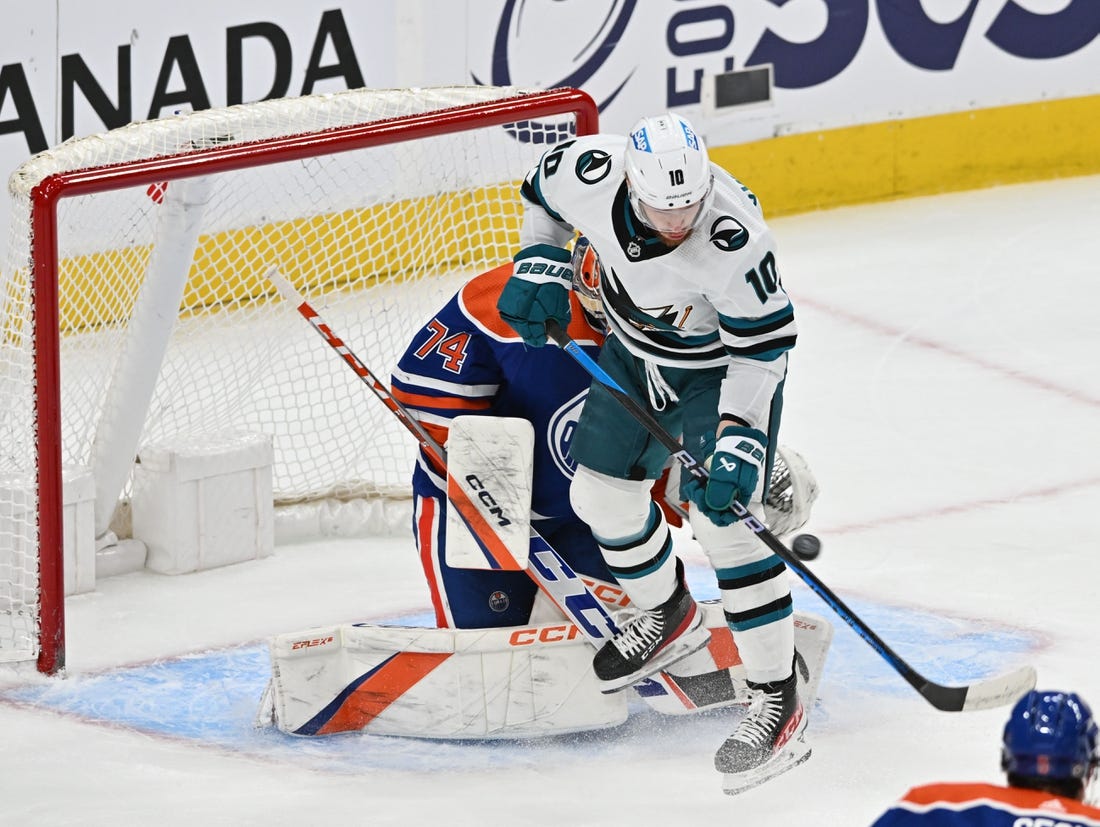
point(734, 469)
point(537, 291)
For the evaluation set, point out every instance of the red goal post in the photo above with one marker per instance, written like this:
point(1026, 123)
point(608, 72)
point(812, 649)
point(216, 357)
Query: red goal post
point(135, 309)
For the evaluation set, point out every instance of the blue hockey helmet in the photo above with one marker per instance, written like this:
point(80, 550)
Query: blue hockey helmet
point(1050, 735)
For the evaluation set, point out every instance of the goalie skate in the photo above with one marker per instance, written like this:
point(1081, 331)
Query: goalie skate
point(768, 741)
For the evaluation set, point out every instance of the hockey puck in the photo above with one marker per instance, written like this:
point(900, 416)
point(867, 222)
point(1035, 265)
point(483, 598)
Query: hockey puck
point(806, 547)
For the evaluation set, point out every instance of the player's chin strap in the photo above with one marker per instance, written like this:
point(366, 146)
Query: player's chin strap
point(984, 694)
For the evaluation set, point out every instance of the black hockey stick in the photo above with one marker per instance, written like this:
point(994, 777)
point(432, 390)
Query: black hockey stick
point(983, 694)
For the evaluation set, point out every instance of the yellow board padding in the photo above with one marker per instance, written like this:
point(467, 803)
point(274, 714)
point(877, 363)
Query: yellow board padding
point(790, 174)
point(919, 156)
point(351, 249)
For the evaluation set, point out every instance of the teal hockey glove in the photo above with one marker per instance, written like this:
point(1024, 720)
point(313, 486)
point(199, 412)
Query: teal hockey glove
point(537, 291)
point(734, 469)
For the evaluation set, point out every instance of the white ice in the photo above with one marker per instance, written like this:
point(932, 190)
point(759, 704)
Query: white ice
point(945, 392)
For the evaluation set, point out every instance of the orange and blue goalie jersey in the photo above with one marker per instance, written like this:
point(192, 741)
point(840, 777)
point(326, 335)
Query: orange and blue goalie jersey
point(466, 360)
point(986, 805)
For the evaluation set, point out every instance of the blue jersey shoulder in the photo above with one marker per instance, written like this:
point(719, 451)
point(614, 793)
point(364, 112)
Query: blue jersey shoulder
point(465, 360)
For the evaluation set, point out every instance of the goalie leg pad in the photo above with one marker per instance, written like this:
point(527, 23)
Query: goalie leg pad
point(517, 682)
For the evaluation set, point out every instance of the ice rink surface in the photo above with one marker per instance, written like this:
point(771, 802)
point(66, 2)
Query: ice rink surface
point(945, 393)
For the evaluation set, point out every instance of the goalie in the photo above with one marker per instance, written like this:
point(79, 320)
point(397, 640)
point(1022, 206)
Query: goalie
point(503, 661)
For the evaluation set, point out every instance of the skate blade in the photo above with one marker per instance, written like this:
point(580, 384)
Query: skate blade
point(796, 753)
point(689, 644)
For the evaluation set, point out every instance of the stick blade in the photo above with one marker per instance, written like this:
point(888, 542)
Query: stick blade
point(285, 288)
point(1001, 690)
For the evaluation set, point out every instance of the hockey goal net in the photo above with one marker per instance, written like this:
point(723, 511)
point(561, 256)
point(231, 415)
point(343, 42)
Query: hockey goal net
point(136, 308)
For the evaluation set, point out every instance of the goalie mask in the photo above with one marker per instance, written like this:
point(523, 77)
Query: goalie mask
point(587, 273)
point(668, 175)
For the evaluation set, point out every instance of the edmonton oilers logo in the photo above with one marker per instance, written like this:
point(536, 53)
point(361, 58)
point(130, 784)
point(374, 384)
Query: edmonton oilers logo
point(537, 41)
point(499, 602)
point(560, 432)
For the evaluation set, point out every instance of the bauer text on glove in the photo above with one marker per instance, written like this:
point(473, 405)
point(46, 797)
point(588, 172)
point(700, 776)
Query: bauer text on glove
point(735, 468)
point(537, 291)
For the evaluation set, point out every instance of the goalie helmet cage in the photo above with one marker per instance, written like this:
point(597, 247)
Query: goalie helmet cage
point(135, 309)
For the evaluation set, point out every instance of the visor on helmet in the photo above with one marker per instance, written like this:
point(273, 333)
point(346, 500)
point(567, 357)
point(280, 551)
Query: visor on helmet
point(674, 222)
point(668, 174)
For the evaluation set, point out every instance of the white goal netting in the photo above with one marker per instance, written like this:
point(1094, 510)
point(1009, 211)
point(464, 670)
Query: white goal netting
point(168, 328)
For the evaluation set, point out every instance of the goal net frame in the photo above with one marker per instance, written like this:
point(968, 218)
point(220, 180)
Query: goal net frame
point(515, 106)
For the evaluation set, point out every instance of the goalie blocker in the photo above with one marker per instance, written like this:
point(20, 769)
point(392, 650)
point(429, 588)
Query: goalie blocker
point(517, 682)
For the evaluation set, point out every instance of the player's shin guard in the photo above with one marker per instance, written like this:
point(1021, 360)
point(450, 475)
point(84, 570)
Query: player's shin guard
point(644, 565)
point(631, 531)
point(756, 596)
point(757, 601)
point(637, 547)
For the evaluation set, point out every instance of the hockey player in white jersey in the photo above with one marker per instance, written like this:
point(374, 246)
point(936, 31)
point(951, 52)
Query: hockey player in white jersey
point(700, 327)
point(502, 663)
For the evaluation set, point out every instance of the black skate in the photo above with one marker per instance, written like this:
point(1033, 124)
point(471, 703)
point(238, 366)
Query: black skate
point(769, 740)
point(652, 640)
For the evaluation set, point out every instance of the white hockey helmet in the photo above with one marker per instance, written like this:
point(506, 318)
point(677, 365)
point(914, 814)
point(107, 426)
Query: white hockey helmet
point(668, 174)
point(587, 273)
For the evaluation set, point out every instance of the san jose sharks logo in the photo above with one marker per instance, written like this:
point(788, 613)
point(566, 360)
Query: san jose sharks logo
point(663, 318)
point(728, 234)
point(666, 317)
point(593, 166)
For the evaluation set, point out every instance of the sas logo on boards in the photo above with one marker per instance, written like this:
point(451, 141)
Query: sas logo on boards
point(521, 38)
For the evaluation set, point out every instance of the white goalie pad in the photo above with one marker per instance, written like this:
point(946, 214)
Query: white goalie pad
point(714, 677)
point(517, 682)
point(490, 460)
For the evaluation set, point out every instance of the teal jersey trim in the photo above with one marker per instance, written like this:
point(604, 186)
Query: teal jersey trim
point(763, 620)
point(747, 570)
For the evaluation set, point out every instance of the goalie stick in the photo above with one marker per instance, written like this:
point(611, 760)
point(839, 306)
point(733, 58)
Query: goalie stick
point(549, 571)
point(983, 694)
